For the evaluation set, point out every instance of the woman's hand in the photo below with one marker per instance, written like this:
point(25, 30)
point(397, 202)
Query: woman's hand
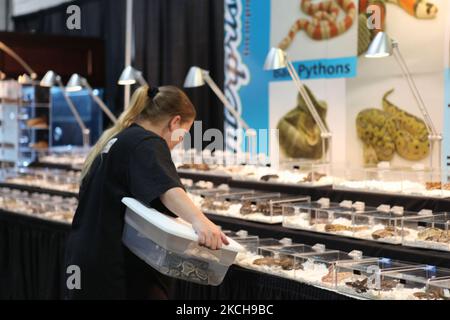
point(209, 234)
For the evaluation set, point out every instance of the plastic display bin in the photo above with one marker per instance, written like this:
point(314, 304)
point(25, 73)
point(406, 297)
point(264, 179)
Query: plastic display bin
point(171, 246)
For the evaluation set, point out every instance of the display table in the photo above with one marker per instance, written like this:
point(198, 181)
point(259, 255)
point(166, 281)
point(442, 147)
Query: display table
point(32, 257)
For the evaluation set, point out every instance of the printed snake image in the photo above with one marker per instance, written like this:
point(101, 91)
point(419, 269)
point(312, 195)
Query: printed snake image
point(323, 23)
point(299, 133)
point(384, 132)
point(420, 9)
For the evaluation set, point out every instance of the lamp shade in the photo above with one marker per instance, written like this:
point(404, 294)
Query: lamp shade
point(380, 47)
point(276, 59)
point(49, 79)
point(75, 83)
point(128, 76)
point(194, 78)
point(24, 79)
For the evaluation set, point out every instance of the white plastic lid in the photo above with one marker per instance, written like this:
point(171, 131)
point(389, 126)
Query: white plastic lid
point(384, 208)
point(319, 247)
point(171, 225)
point(359, 206)
point(356, 254)
point(425, 212)
point(286, 241)
point(397, 210)
point(242, 233)
point(324, 202)
point(346, 204)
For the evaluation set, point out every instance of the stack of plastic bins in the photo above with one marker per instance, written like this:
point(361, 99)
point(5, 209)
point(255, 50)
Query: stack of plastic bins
point(282, 259)
point(265, 208)
point(383, 225)
point(441, 287)
point(414, 283)
point(319, 269)
point(251, 246)
point(430, 232)
point(224, 203)
point(362, 279)
point(172, 248)
point(303, 215)
point(341, 220)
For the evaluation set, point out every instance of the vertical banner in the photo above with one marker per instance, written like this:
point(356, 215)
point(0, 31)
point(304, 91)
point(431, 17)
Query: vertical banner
point(320, 37)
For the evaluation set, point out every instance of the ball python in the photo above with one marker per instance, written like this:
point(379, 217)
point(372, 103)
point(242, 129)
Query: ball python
point(420, 9)
point(323, 23)
point(390, 130)
point(298, 132)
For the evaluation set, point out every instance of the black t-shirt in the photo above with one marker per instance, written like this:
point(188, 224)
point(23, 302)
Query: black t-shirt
point(135, 163)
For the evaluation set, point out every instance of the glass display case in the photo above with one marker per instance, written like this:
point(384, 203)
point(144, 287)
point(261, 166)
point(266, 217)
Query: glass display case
point(70, 156)
point(427, 231)
point(363, 279)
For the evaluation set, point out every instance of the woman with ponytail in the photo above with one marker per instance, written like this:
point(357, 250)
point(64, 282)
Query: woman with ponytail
point(132, 159)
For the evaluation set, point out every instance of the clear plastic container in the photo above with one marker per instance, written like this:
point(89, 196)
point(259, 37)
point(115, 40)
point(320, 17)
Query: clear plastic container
point(320, 268)
point(303, 216)
point(413, 283)
point(265, 208)
point(383, 225)
point(364, 279)
point(172, 248)
point(427, 231)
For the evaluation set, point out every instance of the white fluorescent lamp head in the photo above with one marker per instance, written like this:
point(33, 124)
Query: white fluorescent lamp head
point(198, 77)
point(130, 76)
point(383, 46)
point(15, 56)
point(49, 80)
point(77, 82)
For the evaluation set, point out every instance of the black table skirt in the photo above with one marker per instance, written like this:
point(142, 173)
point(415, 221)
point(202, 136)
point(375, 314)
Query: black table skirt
point(32, 257)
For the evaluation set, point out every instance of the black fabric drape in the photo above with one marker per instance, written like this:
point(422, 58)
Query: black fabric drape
point(173, 35)
point(31, 257)
point(104, 19)
point(169, 36)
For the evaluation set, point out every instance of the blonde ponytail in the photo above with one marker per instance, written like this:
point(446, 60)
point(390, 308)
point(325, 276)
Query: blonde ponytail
point(169, 101)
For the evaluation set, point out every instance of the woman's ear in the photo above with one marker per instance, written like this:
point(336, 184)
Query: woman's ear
point(175, 123)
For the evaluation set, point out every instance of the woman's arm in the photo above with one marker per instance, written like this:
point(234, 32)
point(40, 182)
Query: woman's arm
point(177, 201)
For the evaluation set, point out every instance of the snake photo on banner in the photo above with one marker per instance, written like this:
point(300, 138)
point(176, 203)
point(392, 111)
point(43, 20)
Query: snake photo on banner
point(323, 22)
point(420, 9)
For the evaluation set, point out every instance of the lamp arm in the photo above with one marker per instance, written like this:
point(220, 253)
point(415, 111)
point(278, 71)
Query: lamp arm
point(324, 131)
point(72, 106)
point(16, 57)
point(100, 102)
point(412, 86)
point(141, 79)
point(224, 100)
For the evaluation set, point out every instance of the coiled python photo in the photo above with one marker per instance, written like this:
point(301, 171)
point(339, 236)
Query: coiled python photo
point(298, 132)
point(384, 132)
